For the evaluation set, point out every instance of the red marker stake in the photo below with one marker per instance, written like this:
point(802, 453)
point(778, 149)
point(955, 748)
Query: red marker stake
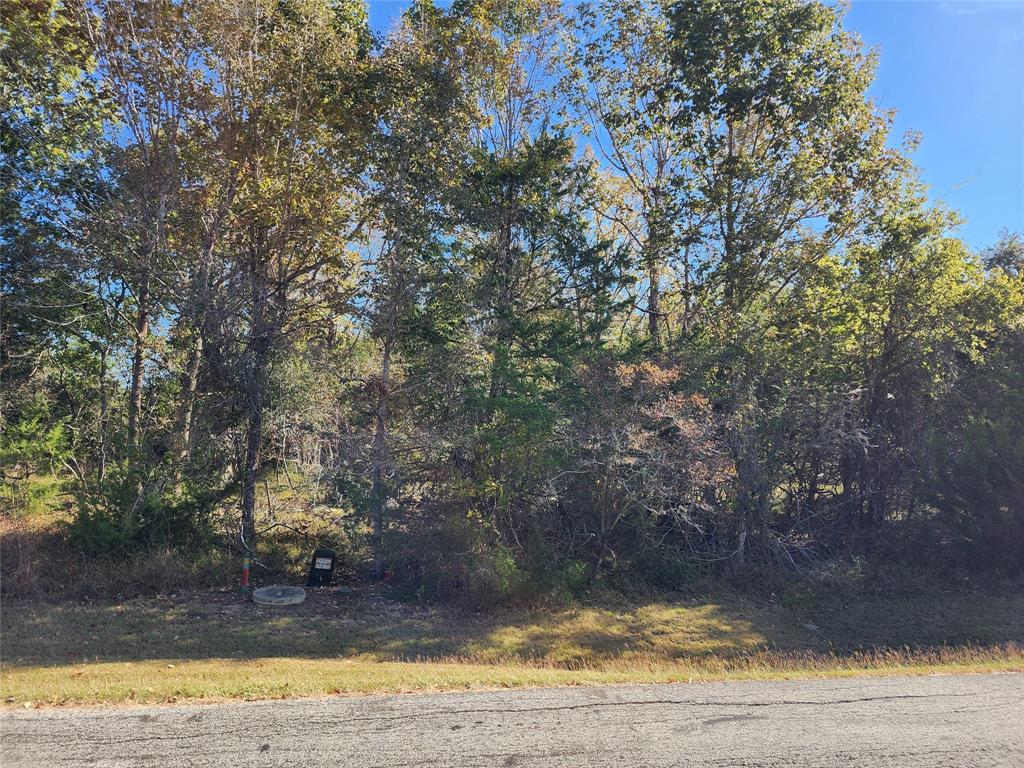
point(246, 563)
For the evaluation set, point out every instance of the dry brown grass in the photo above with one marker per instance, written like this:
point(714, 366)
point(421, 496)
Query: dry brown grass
point(78, 631)
point(167, 681)
point(36, 563)
point(213, 645)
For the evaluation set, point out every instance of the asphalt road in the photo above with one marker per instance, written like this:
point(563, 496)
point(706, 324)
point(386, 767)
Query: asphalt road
point(863, 722)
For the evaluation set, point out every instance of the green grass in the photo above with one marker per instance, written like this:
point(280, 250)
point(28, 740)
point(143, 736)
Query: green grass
point(214, 646)
point(77, 648)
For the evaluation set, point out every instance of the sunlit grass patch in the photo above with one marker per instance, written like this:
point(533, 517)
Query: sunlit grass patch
point(35, 502)
point(601, 634)
point(215, 646)
point(170, 680)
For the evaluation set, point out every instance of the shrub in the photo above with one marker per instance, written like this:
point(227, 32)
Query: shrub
point(666, 569)
point(641, 458)
point(125, 513)
point(974, 464)
point(455, 559)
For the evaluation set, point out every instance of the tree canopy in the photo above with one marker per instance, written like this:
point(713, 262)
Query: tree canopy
point(536, 295)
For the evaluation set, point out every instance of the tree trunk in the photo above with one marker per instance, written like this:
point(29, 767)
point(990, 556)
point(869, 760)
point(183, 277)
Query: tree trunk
point(503, 308)
point(654, 304)
point(253, 437)
point(380, 458)
point(190, 385)
point(253, 440)
point(260, 342)
point(657, 244)
point(190, 380)
point(138, 360)
point(812, 487)
point(101, 470)
point(847, 504)
point(740, 554)
point(750, 499)
point(731, 258)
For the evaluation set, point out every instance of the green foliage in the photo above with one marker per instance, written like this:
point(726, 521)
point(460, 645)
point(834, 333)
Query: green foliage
point(35, 441)
point(456, 559)
point(974, 461)
point(124, 513)
point(514, 298)
point(51, 110)
point(667, 570)
point(573, 577)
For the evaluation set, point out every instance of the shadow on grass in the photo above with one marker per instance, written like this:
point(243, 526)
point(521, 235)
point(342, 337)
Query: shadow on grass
point(372, 628)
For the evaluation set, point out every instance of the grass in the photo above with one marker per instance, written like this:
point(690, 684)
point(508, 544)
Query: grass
point(208, 680)
point(213, 646)
point(65, 638)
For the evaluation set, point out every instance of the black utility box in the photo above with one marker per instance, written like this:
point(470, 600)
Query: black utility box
point(322, 568)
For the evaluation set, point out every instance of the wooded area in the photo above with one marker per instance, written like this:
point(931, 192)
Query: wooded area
point(528, 296)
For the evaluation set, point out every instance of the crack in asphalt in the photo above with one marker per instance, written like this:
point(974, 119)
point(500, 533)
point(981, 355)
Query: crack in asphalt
point(655, 702)
point(147, 738)
point(156, 721)
point(150, 719)
point(944, 722)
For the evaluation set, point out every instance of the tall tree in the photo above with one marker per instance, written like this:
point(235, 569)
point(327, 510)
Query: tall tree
point(619, 63)
point(417, 156)
point(146, 53)
point(542, 281)
point(785, 150)
point(294, 76)
point(51, 152)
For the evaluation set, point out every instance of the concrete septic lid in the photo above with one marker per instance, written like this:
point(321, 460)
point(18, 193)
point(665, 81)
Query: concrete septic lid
point(279, 595)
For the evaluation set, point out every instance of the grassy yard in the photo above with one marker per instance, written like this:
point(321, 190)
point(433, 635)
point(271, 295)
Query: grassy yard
point(213, 646)
point(65, 645)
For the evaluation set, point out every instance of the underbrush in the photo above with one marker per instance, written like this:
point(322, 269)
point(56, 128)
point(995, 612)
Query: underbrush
point(53, 548)
point(432, 560)
point(38, 561)
point(41, 564)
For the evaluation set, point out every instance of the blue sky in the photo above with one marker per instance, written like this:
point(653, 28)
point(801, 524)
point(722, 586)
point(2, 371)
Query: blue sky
point(954, 71)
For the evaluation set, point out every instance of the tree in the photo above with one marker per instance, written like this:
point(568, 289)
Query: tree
point(542, 283)
point(785, 151)
point(643, 463)
point(637, 288)
point(1007, 254)
point(146, 54)
point(619, 63)
point(417, 156)
point(972, 455)
point(293, 75)
point(51, 145)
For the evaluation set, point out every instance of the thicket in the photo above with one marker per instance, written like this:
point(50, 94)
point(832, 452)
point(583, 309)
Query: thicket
point(530, 296)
